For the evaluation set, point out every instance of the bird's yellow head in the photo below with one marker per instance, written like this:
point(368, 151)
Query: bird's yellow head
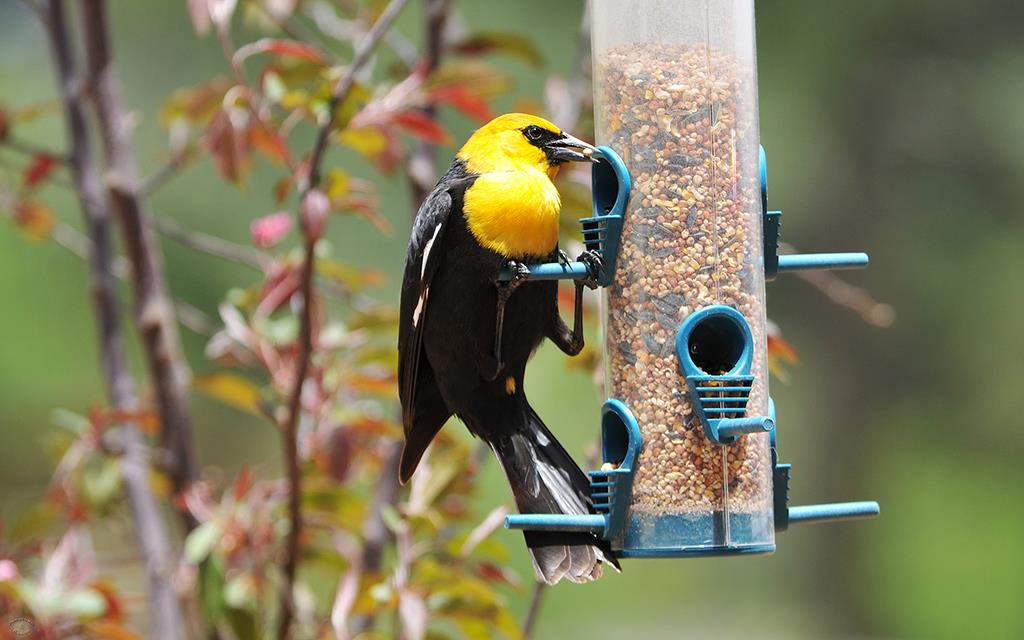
point(516, 141)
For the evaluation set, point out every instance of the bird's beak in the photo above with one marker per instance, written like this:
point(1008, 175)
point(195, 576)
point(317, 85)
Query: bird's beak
point(568, 148)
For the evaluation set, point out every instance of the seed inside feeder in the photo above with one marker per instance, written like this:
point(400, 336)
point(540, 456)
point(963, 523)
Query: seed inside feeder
point(682, 118)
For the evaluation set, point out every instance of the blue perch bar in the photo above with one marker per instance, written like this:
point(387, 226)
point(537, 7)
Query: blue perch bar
point(557, 271)
point(556, 522)
point(831, 512)
point(833, 261)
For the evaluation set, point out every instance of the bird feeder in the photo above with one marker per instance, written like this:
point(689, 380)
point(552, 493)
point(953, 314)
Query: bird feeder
point(690, 462)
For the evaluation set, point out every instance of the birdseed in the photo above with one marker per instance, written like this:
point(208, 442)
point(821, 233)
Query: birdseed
point(684, 119)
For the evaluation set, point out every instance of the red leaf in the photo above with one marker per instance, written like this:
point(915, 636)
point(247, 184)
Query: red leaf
point(497, 42)
point(242, 483)
point(269, 143)
point(422, 126)
point(493, 573)
point(364, 208)
point(778, 347)
point(379, 145)
point(290, 48)
point(278, 290)
point(195, 104)
point(464, 100)
point(269, 230)
point(373, 427)
point(115, 608)
point(39, 169)
point(34, 218)
point(228, 147)
point(110, 631)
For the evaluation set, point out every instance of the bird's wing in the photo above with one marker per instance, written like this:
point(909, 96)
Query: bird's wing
point(423, 410)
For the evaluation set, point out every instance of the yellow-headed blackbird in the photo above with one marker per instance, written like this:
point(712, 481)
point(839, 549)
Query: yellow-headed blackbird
point(464, 338)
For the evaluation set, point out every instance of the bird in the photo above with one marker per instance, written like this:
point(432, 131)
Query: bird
point(465, 337)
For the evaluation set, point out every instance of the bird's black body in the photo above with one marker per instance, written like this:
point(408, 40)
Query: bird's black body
point(446, 367)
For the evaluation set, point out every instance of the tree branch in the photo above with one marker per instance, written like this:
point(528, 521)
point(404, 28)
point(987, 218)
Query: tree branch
point(539, 589)
point(291, 439)
point(421, 166)
point(363, 51)
point(153, 307)
point(81, 246)
point(178, 161)
point(422, 175)
point(290, 431)
point(324, 15)
point(166, 621)
point(213, 245)
point(30, 149)
point(247, 257)
point(844, 294)
point(375, 532)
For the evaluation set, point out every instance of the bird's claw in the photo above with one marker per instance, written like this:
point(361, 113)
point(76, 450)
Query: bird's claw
point(519, 270)
point(563, 258)
point(594, 262)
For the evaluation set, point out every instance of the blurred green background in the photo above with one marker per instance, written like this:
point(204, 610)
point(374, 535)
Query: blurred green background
point(891, 127)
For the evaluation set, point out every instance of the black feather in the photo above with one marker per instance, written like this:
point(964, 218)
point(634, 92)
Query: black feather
point(545, 479)
point(445, 360)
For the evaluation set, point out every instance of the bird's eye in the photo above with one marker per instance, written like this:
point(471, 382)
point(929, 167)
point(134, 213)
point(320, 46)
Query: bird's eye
point(533, 132)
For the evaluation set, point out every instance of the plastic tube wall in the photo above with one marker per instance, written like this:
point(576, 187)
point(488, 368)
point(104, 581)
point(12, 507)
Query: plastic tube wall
point(676, 97)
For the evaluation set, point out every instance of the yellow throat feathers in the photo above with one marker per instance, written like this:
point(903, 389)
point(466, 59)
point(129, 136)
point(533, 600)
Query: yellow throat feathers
point(513, 207)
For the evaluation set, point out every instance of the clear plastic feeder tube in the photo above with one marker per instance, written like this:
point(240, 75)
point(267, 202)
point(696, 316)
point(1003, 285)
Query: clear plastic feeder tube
point(676, 97)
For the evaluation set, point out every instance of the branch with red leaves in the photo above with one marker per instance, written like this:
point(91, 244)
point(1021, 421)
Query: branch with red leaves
point(422, 175)
point(154, 309)
point(420, 167)
point(166, 621)
point(313, 211)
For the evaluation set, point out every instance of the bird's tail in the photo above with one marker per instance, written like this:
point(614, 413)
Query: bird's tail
point(545, 479)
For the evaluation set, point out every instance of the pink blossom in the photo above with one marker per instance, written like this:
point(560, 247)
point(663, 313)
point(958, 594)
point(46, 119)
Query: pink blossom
point(268, 230)
point(8, 570)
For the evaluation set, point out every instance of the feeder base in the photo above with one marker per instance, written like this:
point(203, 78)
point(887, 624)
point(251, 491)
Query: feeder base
point(697, 534)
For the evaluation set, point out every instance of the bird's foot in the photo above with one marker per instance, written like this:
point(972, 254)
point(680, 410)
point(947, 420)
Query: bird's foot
point(520, 272)
point(594, 264)
point(563, 258)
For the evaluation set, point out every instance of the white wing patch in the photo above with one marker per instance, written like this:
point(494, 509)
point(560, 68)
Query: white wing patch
point(426, 251)
point(422, 302)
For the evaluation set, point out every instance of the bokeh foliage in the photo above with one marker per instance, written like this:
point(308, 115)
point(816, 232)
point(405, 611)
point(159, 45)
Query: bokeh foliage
point(890, 127)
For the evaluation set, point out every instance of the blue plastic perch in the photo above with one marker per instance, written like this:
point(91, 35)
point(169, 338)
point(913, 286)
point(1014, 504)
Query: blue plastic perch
point(556, 271)
point(832, 512)
point(832, 261)
point(557, 522)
